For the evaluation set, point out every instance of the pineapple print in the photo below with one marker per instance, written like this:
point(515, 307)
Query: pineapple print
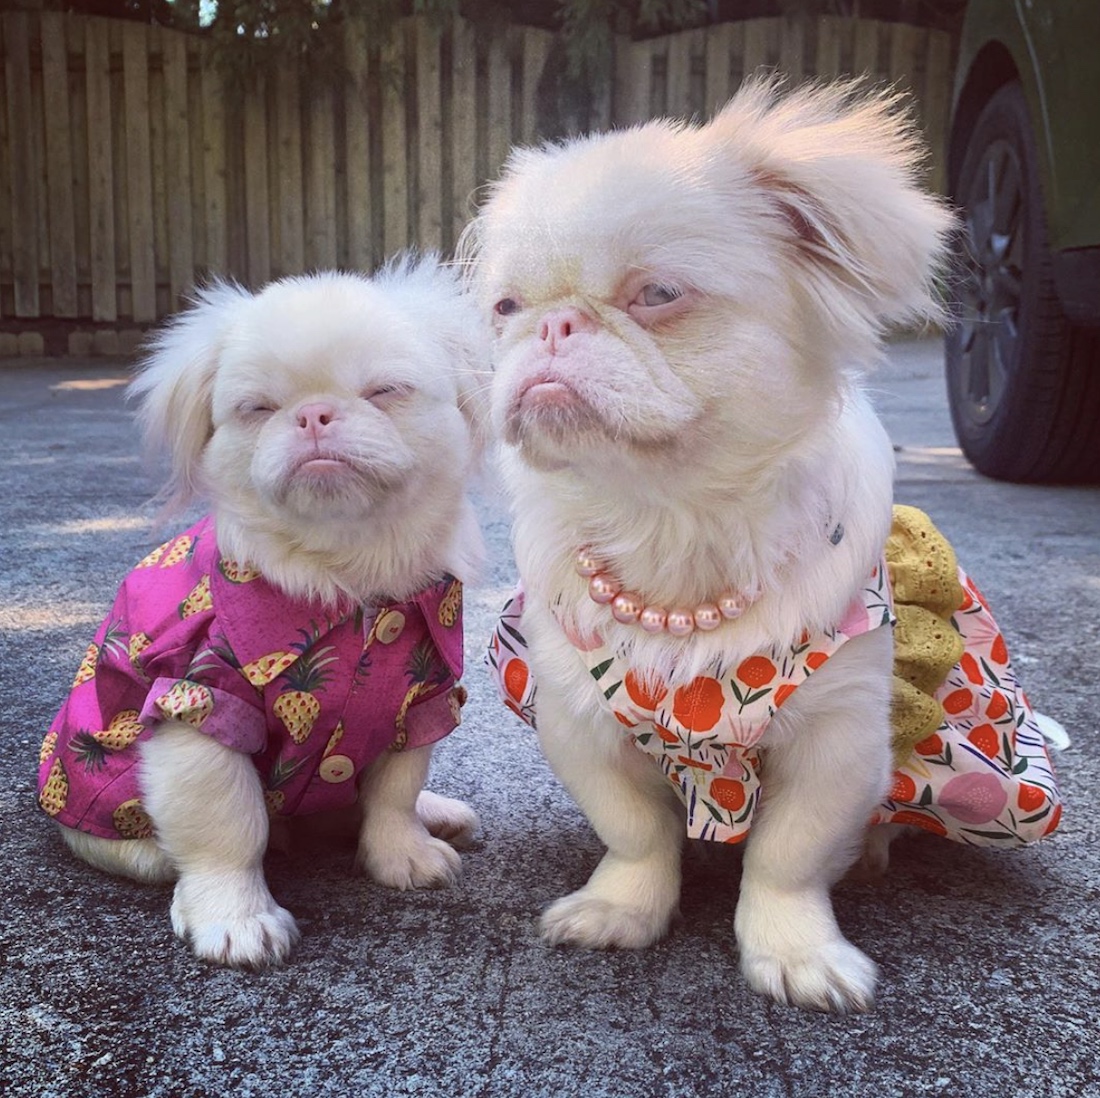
point(181, 550)
point(451, 606)
point(267, 668)
point(91, 748)
point(153, 557)
point(132, 821)
point(137, 644)
point(49, 746)
point(186, 701)
point(281, 772)
point(198, 600)
point(86, 671)
point(236, 572)
point(296, 706)
point(112, 644)
point(423, 672)
point(56, 790)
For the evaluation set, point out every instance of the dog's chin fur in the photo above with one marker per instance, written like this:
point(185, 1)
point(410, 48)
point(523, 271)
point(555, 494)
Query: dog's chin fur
point(330, 423)
point(699, 305)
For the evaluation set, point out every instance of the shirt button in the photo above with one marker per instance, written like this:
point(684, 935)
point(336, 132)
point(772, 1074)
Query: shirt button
point(336, 769)
point(389, 626)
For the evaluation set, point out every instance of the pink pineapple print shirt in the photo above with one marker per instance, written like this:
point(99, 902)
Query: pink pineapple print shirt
point(314, 694)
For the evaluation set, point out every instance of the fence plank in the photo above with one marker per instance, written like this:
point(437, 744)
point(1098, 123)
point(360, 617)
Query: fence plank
point(718, 90)
point(633, 82)
point(936, 101)
point(59, 164)
point(101, 183)
point(357, 136)
point(429, 138)
point(395, 202)
point(755, 56)
point(216, 205)
point(536, 49)
point(500, 102)
point(321, 179)
point(463, 123)
point(290, 217)
point(139, 181)
point(828, 46)
point(678, 101)
point(256, 191)
point(24, 174)
point(865, 54)
point(177, 161)
point(792, 49)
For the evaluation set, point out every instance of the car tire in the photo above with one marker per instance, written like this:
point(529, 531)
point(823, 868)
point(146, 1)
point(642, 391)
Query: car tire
point(1023, 383)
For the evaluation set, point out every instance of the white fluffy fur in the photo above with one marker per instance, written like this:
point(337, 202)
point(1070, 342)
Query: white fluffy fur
point(398, 360)
point(683, 314)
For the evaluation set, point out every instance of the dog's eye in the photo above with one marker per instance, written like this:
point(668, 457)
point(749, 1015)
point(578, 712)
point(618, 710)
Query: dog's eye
point(253, 409)
point(507, 306)
point(655, 294)
point(383, 393)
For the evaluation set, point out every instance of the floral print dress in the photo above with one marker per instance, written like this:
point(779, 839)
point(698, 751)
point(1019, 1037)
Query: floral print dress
point(983, 777)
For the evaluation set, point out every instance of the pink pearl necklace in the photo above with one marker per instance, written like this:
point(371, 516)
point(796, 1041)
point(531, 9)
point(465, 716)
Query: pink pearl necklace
point(629, 608)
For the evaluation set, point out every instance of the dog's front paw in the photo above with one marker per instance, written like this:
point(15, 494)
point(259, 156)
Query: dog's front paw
point(792, 951)
point(447, 819)
point(408, 857)
point(595, 922)
point(232, 919)
point(834, 977)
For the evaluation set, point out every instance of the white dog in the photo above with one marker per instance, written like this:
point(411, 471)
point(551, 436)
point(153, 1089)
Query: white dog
point(297, 650)
point(702, 493)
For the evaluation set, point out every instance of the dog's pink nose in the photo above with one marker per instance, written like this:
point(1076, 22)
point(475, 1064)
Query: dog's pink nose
point(314, 419)
point(560, 324)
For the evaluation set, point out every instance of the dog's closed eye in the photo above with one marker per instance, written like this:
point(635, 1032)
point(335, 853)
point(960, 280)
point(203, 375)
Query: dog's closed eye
point(382, 396)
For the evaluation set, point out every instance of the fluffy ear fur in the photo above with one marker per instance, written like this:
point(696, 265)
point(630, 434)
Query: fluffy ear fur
point(174, 386)
point(436, 293)
point(841, 165)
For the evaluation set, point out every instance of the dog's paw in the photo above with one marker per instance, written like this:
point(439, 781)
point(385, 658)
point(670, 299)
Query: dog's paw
point(410, 858)
point(595, 922)
point(834, 977)
point(447, 819)
point(232, 920)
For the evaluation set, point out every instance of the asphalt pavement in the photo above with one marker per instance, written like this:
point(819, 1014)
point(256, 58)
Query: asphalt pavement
point(990, 959)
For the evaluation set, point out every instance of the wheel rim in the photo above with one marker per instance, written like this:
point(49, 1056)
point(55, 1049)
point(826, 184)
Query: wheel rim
point(992, 280)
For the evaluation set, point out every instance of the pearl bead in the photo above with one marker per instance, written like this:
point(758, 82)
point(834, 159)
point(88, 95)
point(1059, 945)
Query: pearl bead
point(602, 588)
point(681, 623)
point(627, 607)
point(586, 564)
point(731, 606)
point(653, 619)
point(707, 617)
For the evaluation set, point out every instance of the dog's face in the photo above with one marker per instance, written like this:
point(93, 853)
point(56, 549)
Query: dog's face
point(668, 288)
point(324, 411)
point(328, 401)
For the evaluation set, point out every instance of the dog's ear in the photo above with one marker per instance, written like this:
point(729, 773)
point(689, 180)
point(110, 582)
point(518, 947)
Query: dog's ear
point(840, 168)
point(174, 384)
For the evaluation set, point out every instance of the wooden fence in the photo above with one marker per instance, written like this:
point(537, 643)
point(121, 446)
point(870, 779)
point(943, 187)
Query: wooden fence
point(130, 166)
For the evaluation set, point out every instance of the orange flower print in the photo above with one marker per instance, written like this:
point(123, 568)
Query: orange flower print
point(698, 705)
point(1030, 797)
point(932, 745)
point(971, 669)
point(815, 659)
point(1055, 820)
point(958, 701)
point(515, 678)
point(919, 819)
point(644, 692)
point(728, 793)
point(997, 707)
point(986, 739)
point(998, 653)
point(782, 693)
point(756, 671)
point(664, 734)
point(904, 789)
